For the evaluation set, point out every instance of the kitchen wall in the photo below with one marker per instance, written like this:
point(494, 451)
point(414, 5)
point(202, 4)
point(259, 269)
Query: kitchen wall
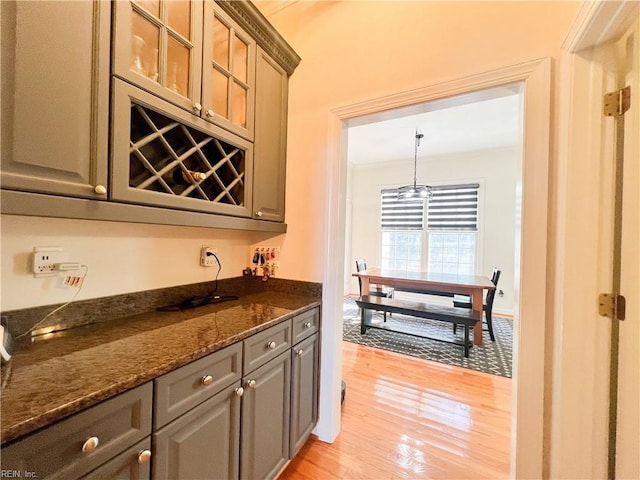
point(122, 257)
point(494, 169)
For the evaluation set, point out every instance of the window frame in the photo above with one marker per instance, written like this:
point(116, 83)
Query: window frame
point(479, 232)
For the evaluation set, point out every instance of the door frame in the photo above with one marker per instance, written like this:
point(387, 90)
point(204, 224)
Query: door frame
point(529, 373)
point(579, 402)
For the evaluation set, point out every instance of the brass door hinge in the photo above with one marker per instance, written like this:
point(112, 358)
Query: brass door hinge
point(612, 305)
point(617, 103)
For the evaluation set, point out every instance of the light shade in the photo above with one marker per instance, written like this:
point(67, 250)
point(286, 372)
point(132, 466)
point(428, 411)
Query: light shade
point(414, 191)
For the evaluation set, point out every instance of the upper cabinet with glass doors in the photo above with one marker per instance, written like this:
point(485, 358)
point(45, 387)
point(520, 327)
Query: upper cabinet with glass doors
point(191, 54)
point(228, 72)
point(158, 46)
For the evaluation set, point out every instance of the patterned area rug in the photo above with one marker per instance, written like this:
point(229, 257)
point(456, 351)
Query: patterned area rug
point(493, 357)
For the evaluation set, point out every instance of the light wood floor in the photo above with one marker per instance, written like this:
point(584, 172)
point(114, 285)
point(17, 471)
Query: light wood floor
point(410, 418)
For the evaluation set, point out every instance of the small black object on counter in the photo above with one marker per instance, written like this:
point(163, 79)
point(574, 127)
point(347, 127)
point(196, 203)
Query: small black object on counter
point(196, 301)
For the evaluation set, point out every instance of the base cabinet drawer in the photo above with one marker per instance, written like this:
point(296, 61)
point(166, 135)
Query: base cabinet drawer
point(266, 345)
point(305, 324)
point(179, 391)
point(85, 441)
point(132, 464)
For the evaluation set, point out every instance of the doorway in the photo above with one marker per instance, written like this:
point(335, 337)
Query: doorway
point(530, 250)
point(477, 144)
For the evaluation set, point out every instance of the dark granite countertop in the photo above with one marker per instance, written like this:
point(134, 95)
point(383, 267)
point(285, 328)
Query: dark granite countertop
point(55, 377)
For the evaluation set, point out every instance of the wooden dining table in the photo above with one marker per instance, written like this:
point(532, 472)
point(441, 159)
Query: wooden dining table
point(471, 285)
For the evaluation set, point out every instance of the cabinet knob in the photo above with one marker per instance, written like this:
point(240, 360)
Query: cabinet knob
point(144, 456)
point(307, 325)
point(300, 353)
point(239, 391)
point(197, 107)
point(90, 444)
point(259, 213)
point(100, 190)
point(251, 384)
point(210, 113)
point(206, 380)
point(271, 345)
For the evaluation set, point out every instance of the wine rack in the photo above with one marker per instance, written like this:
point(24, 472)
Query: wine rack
point(171, 158)
point(160, 147)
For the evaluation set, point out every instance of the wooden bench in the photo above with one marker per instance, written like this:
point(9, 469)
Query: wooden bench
point(454, 315)
point(425, 292)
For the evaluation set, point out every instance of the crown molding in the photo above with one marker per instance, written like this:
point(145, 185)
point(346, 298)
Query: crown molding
point(254, 22)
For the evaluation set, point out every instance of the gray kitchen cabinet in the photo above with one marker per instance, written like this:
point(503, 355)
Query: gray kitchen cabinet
point(85, 441)
point(164, 156)
point(228, 72)
point(209, 423)
point(55, 97)
point(264, 447)
point(179, 391)
point(158, 46)
point(190, 53)
point(270, 139)
point(305, 324)
point(197, 418)
point(132, 464)
point(304, 391)
point(203, 443)
point(192, 66)
point(263, 346)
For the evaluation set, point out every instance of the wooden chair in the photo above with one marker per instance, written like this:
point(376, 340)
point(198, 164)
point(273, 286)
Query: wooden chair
point(377, 292)
point(463, 301)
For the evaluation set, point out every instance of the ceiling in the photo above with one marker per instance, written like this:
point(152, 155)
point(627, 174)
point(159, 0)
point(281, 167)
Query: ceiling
point(477, 121)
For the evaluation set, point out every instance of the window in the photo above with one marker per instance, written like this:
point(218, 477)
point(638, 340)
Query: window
point(451, 230)
point(452, 226)
point(402, 225)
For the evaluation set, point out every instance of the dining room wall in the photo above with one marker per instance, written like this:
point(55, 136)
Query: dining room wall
point(494, 169)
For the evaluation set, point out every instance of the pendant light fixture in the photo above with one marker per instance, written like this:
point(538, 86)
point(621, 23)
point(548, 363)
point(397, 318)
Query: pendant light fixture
point(415, 191)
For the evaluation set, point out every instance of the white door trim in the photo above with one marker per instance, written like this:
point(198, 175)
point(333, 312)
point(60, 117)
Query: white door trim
point(531, 258)
point(579, 402)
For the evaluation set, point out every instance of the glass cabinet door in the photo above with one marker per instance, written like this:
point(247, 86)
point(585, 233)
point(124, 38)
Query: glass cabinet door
point(228, 72)
point(158, 47)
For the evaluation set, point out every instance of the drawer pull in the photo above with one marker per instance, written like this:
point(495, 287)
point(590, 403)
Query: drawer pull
point(90, 445)
point(307, 325)
point(251, 384)
point(271, 345)
point(300, 352)
point(144, 456)
point(239, 391)
point(206, 380)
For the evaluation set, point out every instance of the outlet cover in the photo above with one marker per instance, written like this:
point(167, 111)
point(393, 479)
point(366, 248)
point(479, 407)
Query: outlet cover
point(208, 257)
point(44, 259)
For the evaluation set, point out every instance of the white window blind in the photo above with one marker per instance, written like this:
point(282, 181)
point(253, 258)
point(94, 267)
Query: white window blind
point(400, 214)
point(453, 208)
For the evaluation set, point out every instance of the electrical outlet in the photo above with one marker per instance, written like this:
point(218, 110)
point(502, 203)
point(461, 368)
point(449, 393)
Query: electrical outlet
point(44, 261)
point(208, 257)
